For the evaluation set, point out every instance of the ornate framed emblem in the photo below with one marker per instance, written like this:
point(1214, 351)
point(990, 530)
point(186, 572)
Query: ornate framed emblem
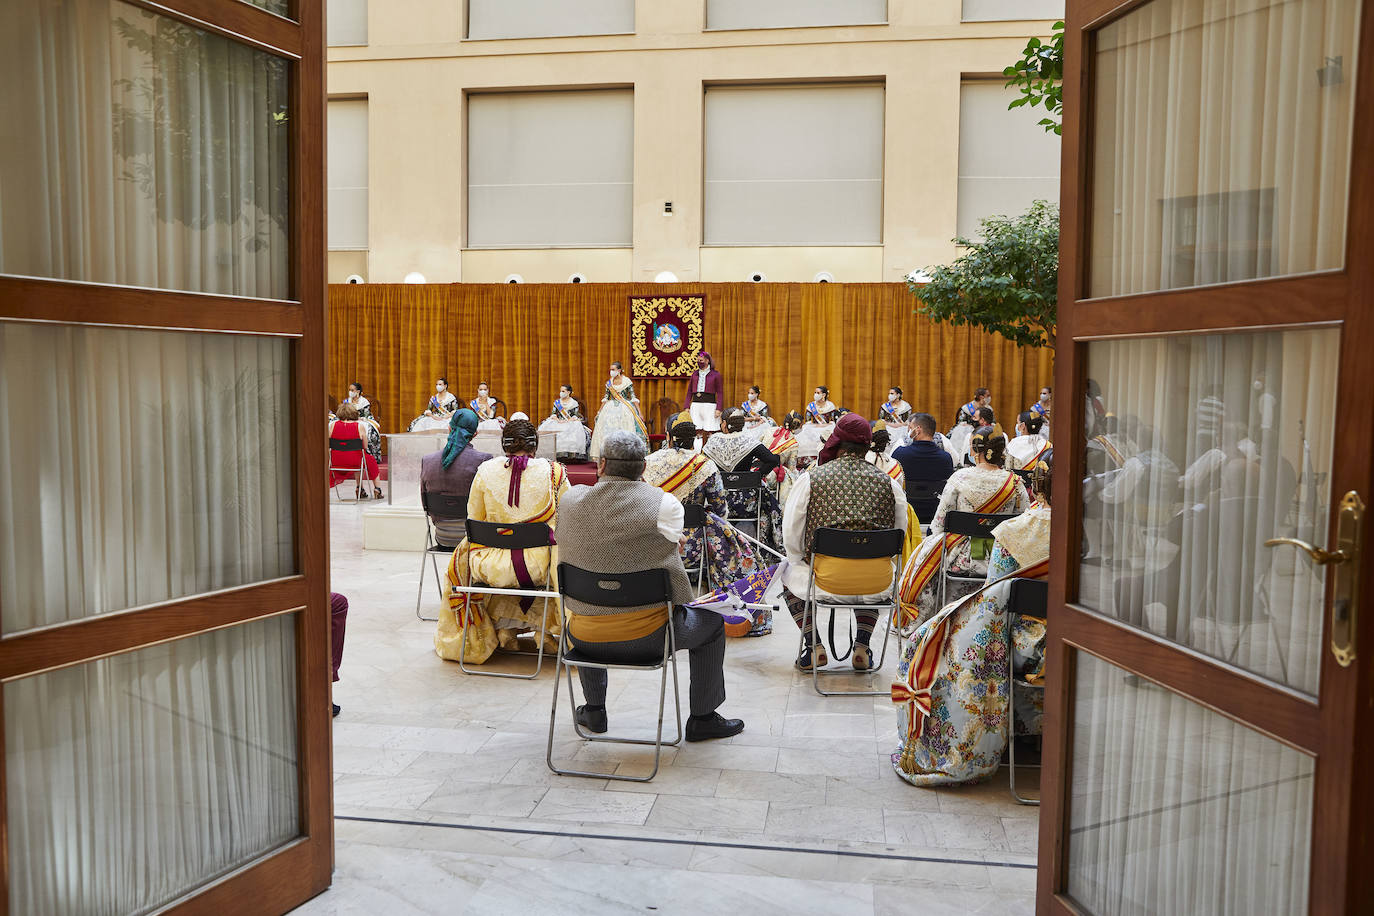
point(665, 335)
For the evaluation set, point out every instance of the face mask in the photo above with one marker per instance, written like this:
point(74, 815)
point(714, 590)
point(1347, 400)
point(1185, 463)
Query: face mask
point(439, 388)
point(614, 373)
point(1258, 385)
point(353, 395)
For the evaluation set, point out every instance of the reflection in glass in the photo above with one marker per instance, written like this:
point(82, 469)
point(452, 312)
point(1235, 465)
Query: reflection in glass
point(1201, 448)
point(139, 466)
point(151, 153)
point(1221, 145)
point(1177, 809)
point(133, 779)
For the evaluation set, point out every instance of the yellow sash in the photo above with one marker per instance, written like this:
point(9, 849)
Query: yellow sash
point(925, 564)
point(683, 475)
point(634, 411)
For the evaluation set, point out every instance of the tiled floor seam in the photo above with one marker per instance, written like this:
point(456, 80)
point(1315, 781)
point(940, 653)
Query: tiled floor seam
point(669, 841)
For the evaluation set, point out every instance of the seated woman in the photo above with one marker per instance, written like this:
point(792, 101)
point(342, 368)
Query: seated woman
point(894, 409)
point(1025, 450)
point(619, 410)
point(372, 430)
point(879, 455)
point(984, 488)
point(439, 411)
point(348, 426)
point(821, 410)
point(737, 449)
point(755, 410)
point(692, 477)
point(563, 432)
point(449, 472)
point(951, 686)
point(520, 488)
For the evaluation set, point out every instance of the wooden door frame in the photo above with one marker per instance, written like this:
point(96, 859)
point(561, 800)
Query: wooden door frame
point(1341, 834)
point(298, 870)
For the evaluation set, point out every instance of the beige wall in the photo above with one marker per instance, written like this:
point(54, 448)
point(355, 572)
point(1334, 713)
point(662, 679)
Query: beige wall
point(416, 70)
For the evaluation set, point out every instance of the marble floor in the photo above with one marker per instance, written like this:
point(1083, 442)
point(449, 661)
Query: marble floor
point(444, 804)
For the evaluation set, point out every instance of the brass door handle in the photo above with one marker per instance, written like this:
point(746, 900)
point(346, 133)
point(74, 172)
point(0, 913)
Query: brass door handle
point(1345, 594)
point(1319, 556)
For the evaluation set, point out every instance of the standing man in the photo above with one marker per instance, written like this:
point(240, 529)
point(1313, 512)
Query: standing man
point(706, 394)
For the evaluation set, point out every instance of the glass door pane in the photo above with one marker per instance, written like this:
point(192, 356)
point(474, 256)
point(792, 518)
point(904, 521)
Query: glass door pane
point(1176, 809)
point(1199, 449)
point(133, 779)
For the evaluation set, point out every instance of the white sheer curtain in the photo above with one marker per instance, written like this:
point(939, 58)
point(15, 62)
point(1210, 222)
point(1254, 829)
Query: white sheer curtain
point(141, 152)
point(1227, 442)
point(1220, 152)
point(1176, 809)
point(135, 778)
point(139, 466)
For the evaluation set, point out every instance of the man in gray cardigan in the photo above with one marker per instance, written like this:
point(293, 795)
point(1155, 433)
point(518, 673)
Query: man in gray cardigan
point(625, 525)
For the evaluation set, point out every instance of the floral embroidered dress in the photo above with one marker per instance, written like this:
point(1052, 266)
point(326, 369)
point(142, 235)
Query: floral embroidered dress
point(563, 430)
point(967, 490)
point(691, 477)
point(951, 686)
point(503, 490)
point(438, 411)
point(619, 410)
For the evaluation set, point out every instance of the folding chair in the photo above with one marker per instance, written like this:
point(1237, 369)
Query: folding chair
point(348, 445)
point(744, 482)
point(847, 562)
point(445, 507)
point(971, 525)
point(635, 589)
point(513, 536)
point(694, 517)
point(1029, 598)
point(924, 497)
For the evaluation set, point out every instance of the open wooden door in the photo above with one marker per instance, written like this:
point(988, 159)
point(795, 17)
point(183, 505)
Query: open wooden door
point(164, 605)
point(1209, 696)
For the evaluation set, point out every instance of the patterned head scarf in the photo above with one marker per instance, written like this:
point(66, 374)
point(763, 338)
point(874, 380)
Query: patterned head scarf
point(850, 428)
point(461, 428)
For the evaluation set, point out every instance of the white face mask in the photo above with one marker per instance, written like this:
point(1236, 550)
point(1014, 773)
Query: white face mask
point(481, 393)
point(615, 372)
point(439, 388)
point(353, 395)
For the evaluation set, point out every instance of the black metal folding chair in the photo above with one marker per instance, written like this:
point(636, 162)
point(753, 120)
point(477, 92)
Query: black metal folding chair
point(444, 507)
point(833, 548)
point(348, 445)
point(635, 589)
point(924, 497)
point(971, 525)
point(513, 536)
point(694, 518)
point(745, 482)
point(1029, 598)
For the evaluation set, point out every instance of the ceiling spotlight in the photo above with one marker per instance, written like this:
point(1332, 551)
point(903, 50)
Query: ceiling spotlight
point(824, 276)
point(665, 276)
point(757, 276)
point(577, 278)
point(514, 278)
point(414, 277)
point(355, 278)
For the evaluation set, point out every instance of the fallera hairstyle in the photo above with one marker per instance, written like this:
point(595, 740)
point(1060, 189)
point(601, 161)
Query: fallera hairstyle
point(924, 422)
point(793, 421)
point(732, 420)
point(986, 417)
point(346, 411)
point(358, 385)
point(624, 454)
point(896, 388)
point(1048, 388)
point(519, 436)
point(756, 390)
point(484, 385)
point(823, 390)
point(989, 442)
point(617, 364)
point(683, 433)
point(444, 380)
point(1031, 421)
point(881, 439)
point(569, 389)
point(980, 393)
point(1040, 475)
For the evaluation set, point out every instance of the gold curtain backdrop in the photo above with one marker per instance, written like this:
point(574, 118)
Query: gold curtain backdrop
point(525, 340)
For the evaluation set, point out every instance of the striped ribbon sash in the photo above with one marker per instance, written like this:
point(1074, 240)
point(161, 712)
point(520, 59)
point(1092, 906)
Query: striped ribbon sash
point(680, 478)
point(914, 690)
point(1035, 459)
point(927, 562)
point(1106, 442)
point(634, 411)
point(895, 471)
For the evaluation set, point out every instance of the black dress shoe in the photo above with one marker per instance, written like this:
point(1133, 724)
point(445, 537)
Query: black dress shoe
point(337, 708)
point(592, 718)
point(704, 728)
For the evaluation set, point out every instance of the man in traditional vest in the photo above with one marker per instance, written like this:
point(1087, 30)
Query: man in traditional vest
point(625, 525)
point(841, 491)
